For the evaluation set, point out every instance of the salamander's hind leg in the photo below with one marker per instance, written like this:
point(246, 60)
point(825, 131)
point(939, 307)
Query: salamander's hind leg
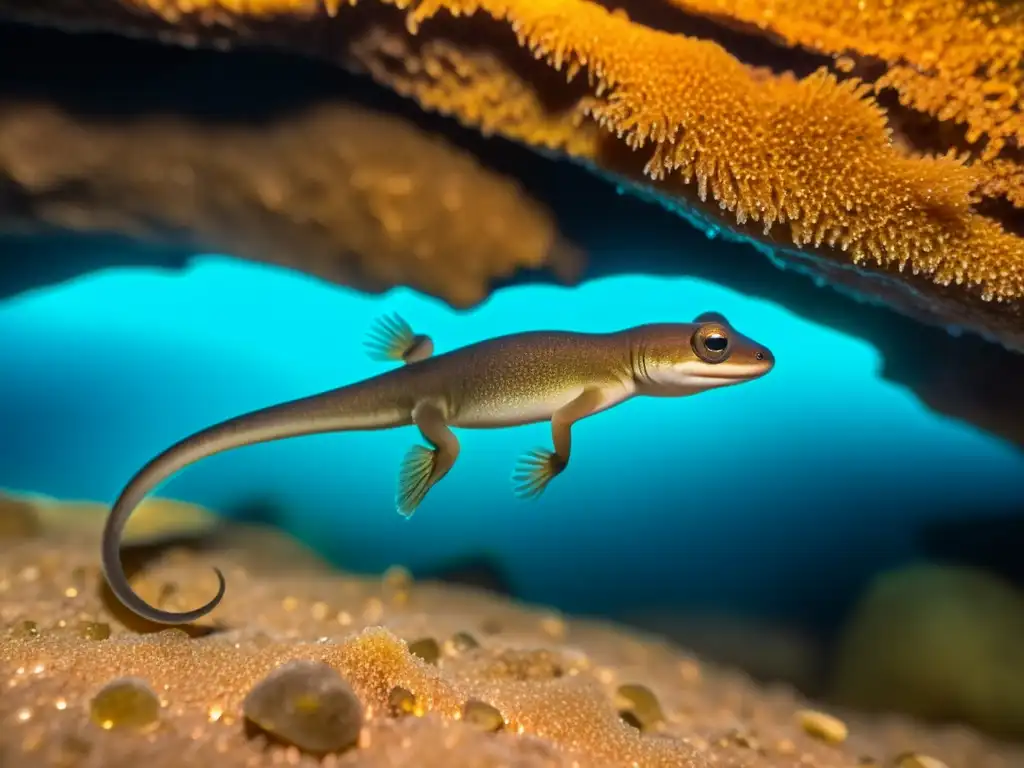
point(392, 339)
point(540, 466)
point(424, 467)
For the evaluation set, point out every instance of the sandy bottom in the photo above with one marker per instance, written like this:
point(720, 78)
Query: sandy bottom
point(409, 673)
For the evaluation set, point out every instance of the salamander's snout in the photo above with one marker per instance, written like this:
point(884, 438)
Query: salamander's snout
point(764, 360)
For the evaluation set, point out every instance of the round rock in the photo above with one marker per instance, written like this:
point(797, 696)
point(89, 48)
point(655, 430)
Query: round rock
point(307, 704)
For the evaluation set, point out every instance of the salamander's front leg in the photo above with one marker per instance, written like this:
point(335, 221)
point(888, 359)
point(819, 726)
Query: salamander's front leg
point(424, 467)
point(540, 466)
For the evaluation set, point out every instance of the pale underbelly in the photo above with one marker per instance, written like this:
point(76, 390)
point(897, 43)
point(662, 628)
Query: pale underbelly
point(512, 411)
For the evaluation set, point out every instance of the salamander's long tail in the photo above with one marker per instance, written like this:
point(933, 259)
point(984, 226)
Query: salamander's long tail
point(335, 411)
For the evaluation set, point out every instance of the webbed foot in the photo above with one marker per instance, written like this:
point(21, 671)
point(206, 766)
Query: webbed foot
point(535, 470)
point(414, 478)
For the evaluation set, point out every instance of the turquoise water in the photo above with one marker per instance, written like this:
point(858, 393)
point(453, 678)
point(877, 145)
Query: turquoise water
point(776, 497)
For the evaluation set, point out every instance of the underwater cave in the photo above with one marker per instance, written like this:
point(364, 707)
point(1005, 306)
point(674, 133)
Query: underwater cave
point(207, 209)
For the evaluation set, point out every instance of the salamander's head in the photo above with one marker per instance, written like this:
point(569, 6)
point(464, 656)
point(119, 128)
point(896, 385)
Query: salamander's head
point(685, 358)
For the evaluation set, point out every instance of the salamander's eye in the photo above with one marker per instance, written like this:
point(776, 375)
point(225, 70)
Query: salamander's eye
point(711, 343)
point(716, 342)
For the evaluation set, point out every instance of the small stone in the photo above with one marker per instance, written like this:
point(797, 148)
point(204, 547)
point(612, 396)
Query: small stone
point(917, 760)
point(426, 648)
point(461, 642)
point(127, 702)
point(401, 702)
point(554, 626)
point(642, 703)
point(822, 726)
point(397, 577)
point(482, 715)
point(630, 718)
point(306, 704)
point(94, 630)
point(396, 583)
point(171, 635)
point(26, 628)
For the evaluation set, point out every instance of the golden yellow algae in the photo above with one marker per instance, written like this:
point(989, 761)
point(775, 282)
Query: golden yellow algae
point(960, 61)
point(518, 697)
point(814, 154)
point(1004, 177)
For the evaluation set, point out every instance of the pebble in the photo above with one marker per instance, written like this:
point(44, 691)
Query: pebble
point(917, 760)
point(127, 702)
point(638, 706)
point(426, 648)
point(461, 642)
point(401, 701)
point(482, 715)
point(822, 726)
point(306, 704)
point(94, 630)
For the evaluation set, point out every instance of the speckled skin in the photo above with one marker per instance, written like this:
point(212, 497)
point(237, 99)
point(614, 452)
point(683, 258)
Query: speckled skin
point(520, 379)
point(507, 381)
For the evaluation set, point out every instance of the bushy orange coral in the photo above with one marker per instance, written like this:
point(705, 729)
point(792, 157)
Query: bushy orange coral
point(1005, 178)
point(814, 153)
point(957, 60)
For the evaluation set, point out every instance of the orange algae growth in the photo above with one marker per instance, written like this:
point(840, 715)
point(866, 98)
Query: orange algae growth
point(1005, 178)
point(958, 60)
point(814, 153)
point(790, 161)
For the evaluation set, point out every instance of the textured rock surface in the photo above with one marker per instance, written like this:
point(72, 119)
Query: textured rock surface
point(308, 177)
point(939, 641)
point(307, 704)
point(568, 693)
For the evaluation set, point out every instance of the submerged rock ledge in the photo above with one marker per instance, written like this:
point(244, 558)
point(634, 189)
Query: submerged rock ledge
point(758, 125)
point(302, 665)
